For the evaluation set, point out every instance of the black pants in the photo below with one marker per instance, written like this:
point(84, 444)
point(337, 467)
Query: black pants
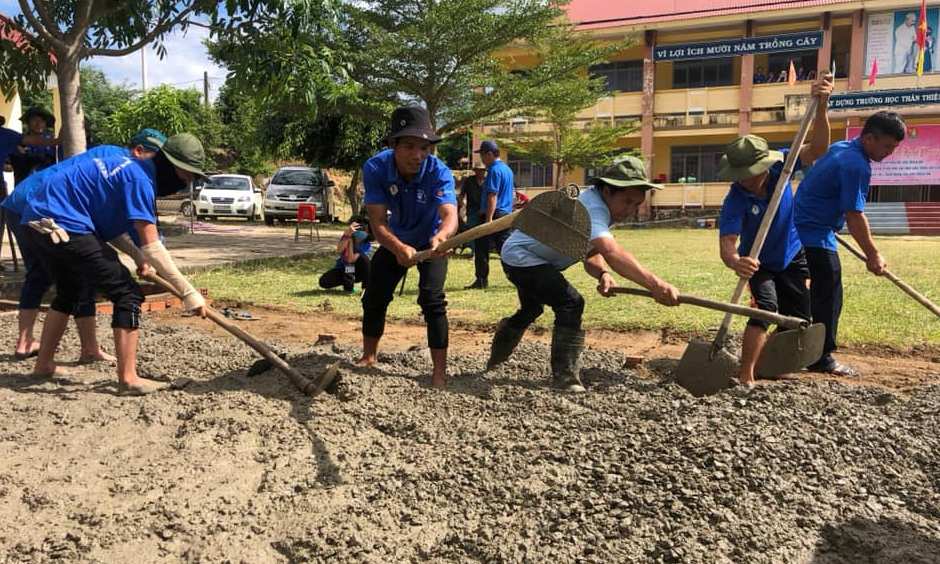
point(481, 250)
point(825, 271)
point(86, 260)
point(540, 286)
point(385, 275)
point(339, 277)
point(783, 292)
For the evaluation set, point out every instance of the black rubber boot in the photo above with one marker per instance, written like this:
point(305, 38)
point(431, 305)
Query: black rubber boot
point(505, 342)
point(567, 346)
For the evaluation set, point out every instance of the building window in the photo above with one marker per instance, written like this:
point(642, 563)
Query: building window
point(528, 174)
point(695, 164)
point(698, 74)
point(621, 76)
point(804, 63)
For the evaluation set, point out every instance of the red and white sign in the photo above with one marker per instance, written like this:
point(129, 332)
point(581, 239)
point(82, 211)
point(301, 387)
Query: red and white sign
point(915, 162)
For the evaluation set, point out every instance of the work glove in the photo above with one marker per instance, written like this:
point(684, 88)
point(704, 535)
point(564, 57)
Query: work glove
point(47, 226)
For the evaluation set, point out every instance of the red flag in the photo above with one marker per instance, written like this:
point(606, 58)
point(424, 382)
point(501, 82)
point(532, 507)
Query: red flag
point(921, 37)
point(874, 72)
point(791, 76)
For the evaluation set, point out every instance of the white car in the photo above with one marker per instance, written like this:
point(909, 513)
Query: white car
point(230, 195)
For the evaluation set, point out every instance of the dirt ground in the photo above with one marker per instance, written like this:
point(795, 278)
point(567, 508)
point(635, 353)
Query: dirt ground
point(239, 467)
point(880, 367)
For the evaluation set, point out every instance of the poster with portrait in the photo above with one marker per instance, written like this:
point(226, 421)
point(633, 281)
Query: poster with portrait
point(892, 41)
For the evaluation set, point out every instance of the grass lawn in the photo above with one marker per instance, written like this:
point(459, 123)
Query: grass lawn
point(875, 312)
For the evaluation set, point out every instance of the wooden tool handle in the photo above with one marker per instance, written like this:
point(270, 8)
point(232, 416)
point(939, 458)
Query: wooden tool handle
point(472, 234)
point(298, 379)
point(730, 309)
point(904, 286)
point(772, 207)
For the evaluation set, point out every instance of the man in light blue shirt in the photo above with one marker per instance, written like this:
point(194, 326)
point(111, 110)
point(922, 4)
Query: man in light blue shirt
point(496, 201)
point(536, 271)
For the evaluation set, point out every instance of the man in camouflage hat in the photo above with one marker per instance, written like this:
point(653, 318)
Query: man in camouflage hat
point(536, 271)
point(778, 277)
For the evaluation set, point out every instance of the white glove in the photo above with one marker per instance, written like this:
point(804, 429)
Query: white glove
point(47, 226)
point(157, 255)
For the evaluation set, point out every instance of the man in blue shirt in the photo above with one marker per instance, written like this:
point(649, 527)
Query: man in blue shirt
point(76, 211)
point(777, 278)
point(536, 271)
point(144, 145)
point(497, 200)
point(833, 195)
point(353, 263)
point(412, 206)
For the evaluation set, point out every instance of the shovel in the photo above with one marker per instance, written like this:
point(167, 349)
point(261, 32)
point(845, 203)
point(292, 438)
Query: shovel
point(730, 309)
point(302, 382)
point(552, 218)
point(706, 368)
point(904, 286)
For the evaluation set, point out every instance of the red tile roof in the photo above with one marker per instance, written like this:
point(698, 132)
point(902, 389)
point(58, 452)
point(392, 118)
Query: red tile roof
point(597, 14)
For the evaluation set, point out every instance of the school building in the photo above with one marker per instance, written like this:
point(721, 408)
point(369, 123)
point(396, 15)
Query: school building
point(701, 73)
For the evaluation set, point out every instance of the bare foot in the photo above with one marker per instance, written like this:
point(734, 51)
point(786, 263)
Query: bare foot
point(366, 360)
point(141, 387)
point(100, 356)
point(747, 382)
point(44, 371)
point(439, 379)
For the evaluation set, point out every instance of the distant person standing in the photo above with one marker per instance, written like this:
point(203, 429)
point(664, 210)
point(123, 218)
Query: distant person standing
point(471, 192)
point(497, 200)
point(37, 150)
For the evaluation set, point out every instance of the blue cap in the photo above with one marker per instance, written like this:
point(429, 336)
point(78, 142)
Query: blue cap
point(149, 139)
point(487, 147)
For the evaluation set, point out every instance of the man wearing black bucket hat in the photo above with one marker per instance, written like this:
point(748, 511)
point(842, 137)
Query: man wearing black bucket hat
point(536, 271)
point(778, 277)
point(71, 216)
point(412, 206)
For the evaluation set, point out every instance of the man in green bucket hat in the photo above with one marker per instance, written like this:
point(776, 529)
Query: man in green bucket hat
point(536, 271)
point(778, 277)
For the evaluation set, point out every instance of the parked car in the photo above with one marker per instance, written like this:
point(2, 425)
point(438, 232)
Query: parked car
point(230, 195)
point(294, 185)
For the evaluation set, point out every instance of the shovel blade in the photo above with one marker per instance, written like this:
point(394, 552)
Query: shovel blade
point(703, 373)
point(558, 221)
point(791, 351)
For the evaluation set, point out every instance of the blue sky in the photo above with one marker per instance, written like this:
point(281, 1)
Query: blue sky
point(185, 60)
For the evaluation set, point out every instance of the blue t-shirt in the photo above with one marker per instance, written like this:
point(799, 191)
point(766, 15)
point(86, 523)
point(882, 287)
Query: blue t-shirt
point(742, 213)
point(363, 247)
point(16, 201)
point(97, 195)
point(9, 140)
point(413, 205)
point(521, 250)
point(837, 183)
point(499, 181)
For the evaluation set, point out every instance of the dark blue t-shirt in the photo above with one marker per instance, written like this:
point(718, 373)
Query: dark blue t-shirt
point(9, 140)
point(742, 213)
point(413, 205)
point(837, 183)
point(16, 201)
point(499, 181)
point(97, 195)
point(361, 248)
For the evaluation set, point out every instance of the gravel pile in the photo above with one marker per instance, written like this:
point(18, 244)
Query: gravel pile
point(500, 468)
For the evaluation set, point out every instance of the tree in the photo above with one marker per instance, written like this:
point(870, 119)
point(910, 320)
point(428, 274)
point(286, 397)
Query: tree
point(445, 54)
point(567, 143)
point(101, 98)
point(171, 110)
point(57, 35)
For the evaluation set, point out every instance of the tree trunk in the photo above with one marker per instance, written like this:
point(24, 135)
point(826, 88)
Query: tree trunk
point(352, 193)
point(72, 131)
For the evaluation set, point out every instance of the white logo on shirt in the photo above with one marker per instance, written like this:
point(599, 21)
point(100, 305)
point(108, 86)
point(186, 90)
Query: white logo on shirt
point(109, 173)
point(421, 196)
point(755, 209)
point(393, 190)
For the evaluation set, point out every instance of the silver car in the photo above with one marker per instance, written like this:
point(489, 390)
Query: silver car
point(294, 185)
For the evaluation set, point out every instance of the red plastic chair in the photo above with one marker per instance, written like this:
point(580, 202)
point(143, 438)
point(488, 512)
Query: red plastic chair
point(307, 213)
